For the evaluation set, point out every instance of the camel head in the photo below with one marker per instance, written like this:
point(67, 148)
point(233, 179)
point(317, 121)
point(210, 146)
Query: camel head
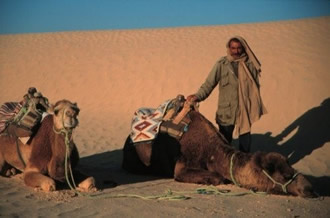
point(284, 177)
point(65, 114)
point(300, 186)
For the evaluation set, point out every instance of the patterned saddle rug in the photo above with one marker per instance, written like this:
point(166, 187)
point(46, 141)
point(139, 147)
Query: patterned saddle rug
point(146, 122)
point(170, 117)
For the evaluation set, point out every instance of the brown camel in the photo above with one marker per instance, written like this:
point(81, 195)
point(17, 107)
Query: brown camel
point(203, 156)
point(42, 160)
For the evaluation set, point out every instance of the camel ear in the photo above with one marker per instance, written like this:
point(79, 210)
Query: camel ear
point(267, 162)
point(76, 108)
point(272, 161)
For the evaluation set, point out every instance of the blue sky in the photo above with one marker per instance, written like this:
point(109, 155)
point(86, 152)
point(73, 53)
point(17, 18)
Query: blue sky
point(30, 16)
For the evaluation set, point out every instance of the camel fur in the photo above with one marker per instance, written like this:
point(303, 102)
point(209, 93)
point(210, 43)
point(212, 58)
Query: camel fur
point(43, 157)
point(203, 156)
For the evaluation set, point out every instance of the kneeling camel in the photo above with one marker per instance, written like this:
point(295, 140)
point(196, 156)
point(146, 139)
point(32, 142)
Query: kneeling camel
point(203, 156)
point(49, 152)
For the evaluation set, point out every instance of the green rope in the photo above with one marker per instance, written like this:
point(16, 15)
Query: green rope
point(20, 114)
point(67, 167)
point(283, 186)
point(19, 151)
point(176, 195)
point(67, 157)
point(231, 170)
point(17, 146)
point(169, 195)
point(211, 190)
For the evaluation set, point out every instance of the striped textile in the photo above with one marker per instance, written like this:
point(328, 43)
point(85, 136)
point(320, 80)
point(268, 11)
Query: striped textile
point(7, 112)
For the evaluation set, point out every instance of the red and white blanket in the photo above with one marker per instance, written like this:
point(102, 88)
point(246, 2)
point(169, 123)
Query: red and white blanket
point(146, 122)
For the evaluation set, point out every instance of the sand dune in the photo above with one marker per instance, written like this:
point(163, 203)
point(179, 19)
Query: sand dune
point(110, 74)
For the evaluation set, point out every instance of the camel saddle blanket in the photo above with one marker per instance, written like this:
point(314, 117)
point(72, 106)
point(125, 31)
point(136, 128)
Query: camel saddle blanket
point(170, 117)
point(146, 122)
point(8, 111)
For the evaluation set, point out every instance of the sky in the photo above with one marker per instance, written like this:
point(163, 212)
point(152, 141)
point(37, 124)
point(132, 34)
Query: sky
point(36, 16)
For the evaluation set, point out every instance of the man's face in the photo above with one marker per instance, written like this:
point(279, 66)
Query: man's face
point(235, 49)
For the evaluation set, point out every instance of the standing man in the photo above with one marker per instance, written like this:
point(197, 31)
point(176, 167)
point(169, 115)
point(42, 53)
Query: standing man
point(239, 102)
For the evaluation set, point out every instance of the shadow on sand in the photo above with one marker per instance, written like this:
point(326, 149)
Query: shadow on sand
point(307, 133)
point(106, 169)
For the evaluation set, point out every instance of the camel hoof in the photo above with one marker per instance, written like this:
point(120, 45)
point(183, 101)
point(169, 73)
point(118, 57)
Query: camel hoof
point(11, 172)
point(213, 181)
point(48, 186)
point(88, 185)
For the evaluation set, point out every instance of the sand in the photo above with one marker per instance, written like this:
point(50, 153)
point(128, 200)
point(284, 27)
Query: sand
point(110, 74)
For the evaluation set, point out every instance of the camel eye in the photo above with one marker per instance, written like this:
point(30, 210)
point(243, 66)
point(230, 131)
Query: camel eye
point(287, 176)
point(68, 113)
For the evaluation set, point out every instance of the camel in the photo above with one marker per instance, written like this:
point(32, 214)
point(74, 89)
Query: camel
point(203, 156)
point(44, 157)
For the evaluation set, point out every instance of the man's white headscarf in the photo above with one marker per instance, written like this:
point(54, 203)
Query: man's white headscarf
point(251, 107)
point(248, 51)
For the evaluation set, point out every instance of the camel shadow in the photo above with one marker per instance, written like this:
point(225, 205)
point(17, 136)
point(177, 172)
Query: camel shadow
point(106, 169)
point(304, 135)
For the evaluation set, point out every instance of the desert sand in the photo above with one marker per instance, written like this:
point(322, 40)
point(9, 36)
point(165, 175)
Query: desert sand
point(112, 73)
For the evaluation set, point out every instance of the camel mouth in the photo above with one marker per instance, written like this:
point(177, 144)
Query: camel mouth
point(302, 187)
point(71, 125)
point(308, 192)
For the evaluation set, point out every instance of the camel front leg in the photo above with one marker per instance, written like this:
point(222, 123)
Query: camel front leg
point(33, 178)
point(198, 176)
point(85, 183)
point(5, 168)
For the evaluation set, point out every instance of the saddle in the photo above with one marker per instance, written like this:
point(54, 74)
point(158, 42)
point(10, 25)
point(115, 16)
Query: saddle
point(176, 120)
point(27, 115)
point(30, 115)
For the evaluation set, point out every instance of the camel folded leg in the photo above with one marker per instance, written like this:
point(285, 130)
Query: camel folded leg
point(7, 170)
point(144, 152)
point(36, 179)
point(198, 176)
point(131, 160)
point(84, 183)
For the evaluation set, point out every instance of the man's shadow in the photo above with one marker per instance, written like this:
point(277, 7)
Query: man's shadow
point(307, 133)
